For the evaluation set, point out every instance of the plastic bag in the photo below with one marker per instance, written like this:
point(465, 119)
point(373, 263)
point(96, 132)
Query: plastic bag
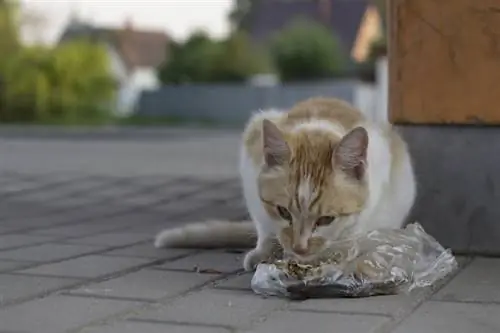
point(382, 262)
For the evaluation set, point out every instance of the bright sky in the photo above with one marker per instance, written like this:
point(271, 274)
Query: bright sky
point(177, 17)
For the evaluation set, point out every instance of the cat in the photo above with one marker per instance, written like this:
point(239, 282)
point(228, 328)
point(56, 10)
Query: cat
point(318, 173)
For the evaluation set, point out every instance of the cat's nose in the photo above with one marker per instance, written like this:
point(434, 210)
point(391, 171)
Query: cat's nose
point(299, 249)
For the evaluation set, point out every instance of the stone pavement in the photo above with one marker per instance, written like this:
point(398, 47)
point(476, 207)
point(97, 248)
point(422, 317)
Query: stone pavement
point(76, 255)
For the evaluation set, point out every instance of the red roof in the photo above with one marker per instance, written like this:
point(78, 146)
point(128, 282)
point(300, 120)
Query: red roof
point(138, 48)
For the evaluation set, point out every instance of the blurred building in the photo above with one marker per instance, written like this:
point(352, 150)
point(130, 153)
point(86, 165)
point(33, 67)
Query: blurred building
point(357, 23)
point(134, 55)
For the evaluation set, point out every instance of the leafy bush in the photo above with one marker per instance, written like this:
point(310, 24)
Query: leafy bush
point(238, 59)
point(9, 34)
point(68, 84)
point(191, 61)
point(306, 50)
point(201, 59)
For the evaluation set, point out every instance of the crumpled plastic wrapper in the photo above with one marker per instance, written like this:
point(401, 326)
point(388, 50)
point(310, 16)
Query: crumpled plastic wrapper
point(382, 262)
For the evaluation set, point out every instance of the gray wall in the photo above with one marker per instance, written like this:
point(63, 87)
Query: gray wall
point(457, 169)
point(232, 103)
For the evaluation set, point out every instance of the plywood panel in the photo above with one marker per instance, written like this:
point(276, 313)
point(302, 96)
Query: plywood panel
point(444, 61)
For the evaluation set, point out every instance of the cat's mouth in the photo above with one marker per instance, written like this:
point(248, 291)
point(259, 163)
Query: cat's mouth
point(304, 258)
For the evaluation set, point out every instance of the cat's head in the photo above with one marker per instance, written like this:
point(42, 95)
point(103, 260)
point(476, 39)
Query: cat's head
point(314, 186)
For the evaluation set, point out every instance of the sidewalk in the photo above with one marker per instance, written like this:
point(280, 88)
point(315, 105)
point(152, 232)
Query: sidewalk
point(76, 255)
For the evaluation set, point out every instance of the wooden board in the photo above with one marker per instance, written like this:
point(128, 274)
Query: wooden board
point(444, 61)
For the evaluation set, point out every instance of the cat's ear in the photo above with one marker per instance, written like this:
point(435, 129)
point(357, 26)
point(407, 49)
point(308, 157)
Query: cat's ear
point(276, 150)
point(350, 153)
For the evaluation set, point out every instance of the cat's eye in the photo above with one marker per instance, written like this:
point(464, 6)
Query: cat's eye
point(325, 220)
point(284, 213)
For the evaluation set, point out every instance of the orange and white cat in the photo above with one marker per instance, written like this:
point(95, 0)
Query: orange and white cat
point(318, 173)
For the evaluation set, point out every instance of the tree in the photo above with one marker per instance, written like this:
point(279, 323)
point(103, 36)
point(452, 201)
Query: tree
point(306, 50)
point(238, 59)
point(202, 60)
point(191, 61)
point(9, 32)
point(240, 12)
point(27, 94)
point(68, 84)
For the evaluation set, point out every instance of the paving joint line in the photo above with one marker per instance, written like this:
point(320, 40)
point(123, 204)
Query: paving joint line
point(17, 247)
point(180, 323)
point(81, 282)
point(138, 208)
point(182, 270)
point(78, 193)
point(110, 297)
point(95, 252)
point(96, 219)
point(12, 270)
point(71, 194)
point(164, 301)
point(350, 313)
point(398, 319)
point(44, 186)
point(103, 184)
point(464, 301)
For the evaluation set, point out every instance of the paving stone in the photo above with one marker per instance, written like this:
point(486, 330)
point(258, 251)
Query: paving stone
point(288, 322)
point(152, 228)
point(214, 211)
point(13, 240)
point(81, 230)
point(240, 282)
point(221, 193)
point(179, 189)
point(111, 239)
point(13, 265)
point(117, 192)
point(48, 252)
point(66, 202)
point(148, 251)
point(179, 208)
point(53, 196)
point(29, 224)
point(18, 187)
point(41, 221)
point(214, 307)
point(12, 209)
point(141, 199)
point(209, 261)
point(57, 314)
point(382, 305)
point(152, 181)
point(90, 211)
point(14, 287)
point(444, 317)
point(477, 282)
point(139, 327)
point(146, 284)
point(89, 266)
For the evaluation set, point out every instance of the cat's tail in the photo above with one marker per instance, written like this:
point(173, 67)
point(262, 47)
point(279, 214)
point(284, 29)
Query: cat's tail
point(210, 234)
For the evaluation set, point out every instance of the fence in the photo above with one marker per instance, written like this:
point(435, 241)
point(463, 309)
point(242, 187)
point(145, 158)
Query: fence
point(233, 103)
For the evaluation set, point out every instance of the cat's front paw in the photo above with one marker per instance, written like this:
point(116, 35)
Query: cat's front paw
point(252, 259)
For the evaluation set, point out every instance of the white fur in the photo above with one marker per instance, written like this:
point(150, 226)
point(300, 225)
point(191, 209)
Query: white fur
point(391, 192)
point(211, 234)
point(391, 196)
point(305, 192)
point(389, 200)
point(322, 125)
